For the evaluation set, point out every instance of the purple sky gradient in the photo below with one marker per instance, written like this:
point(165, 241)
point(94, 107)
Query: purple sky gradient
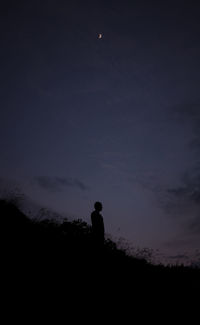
point(115, 119)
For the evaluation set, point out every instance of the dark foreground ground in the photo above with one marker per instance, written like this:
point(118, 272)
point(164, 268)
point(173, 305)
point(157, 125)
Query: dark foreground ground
point(46, 263)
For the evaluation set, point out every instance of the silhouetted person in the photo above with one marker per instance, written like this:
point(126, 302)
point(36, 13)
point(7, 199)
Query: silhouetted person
point(97, 224)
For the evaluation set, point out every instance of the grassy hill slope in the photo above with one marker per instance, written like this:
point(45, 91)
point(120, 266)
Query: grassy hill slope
point(64, 256)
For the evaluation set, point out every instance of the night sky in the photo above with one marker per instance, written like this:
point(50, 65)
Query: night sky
point(114, 119)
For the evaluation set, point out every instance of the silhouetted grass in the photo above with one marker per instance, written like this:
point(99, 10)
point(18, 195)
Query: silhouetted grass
point(64, 255)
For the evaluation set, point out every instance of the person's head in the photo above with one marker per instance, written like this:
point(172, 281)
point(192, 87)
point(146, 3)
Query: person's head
point(98, 206)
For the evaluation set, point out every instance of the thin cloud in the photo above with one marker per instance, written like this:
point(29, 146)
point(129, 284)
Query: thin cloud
point(194, 225)
point(179, 257)
point(180, 202)
point(188, 113)
point(58, 184)
point(189, 189)
point(183, 201)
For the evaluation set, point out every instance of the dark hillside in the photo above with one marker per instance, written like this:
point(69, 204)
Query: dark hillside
point(45, 255)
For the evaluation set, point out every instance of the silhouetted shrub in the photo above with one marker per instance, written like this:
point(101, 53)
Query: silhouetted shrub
point(67, 253)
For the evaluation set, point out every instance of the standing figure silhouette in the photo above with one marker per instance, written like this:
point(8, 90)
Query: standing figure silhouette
point(98, 230)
